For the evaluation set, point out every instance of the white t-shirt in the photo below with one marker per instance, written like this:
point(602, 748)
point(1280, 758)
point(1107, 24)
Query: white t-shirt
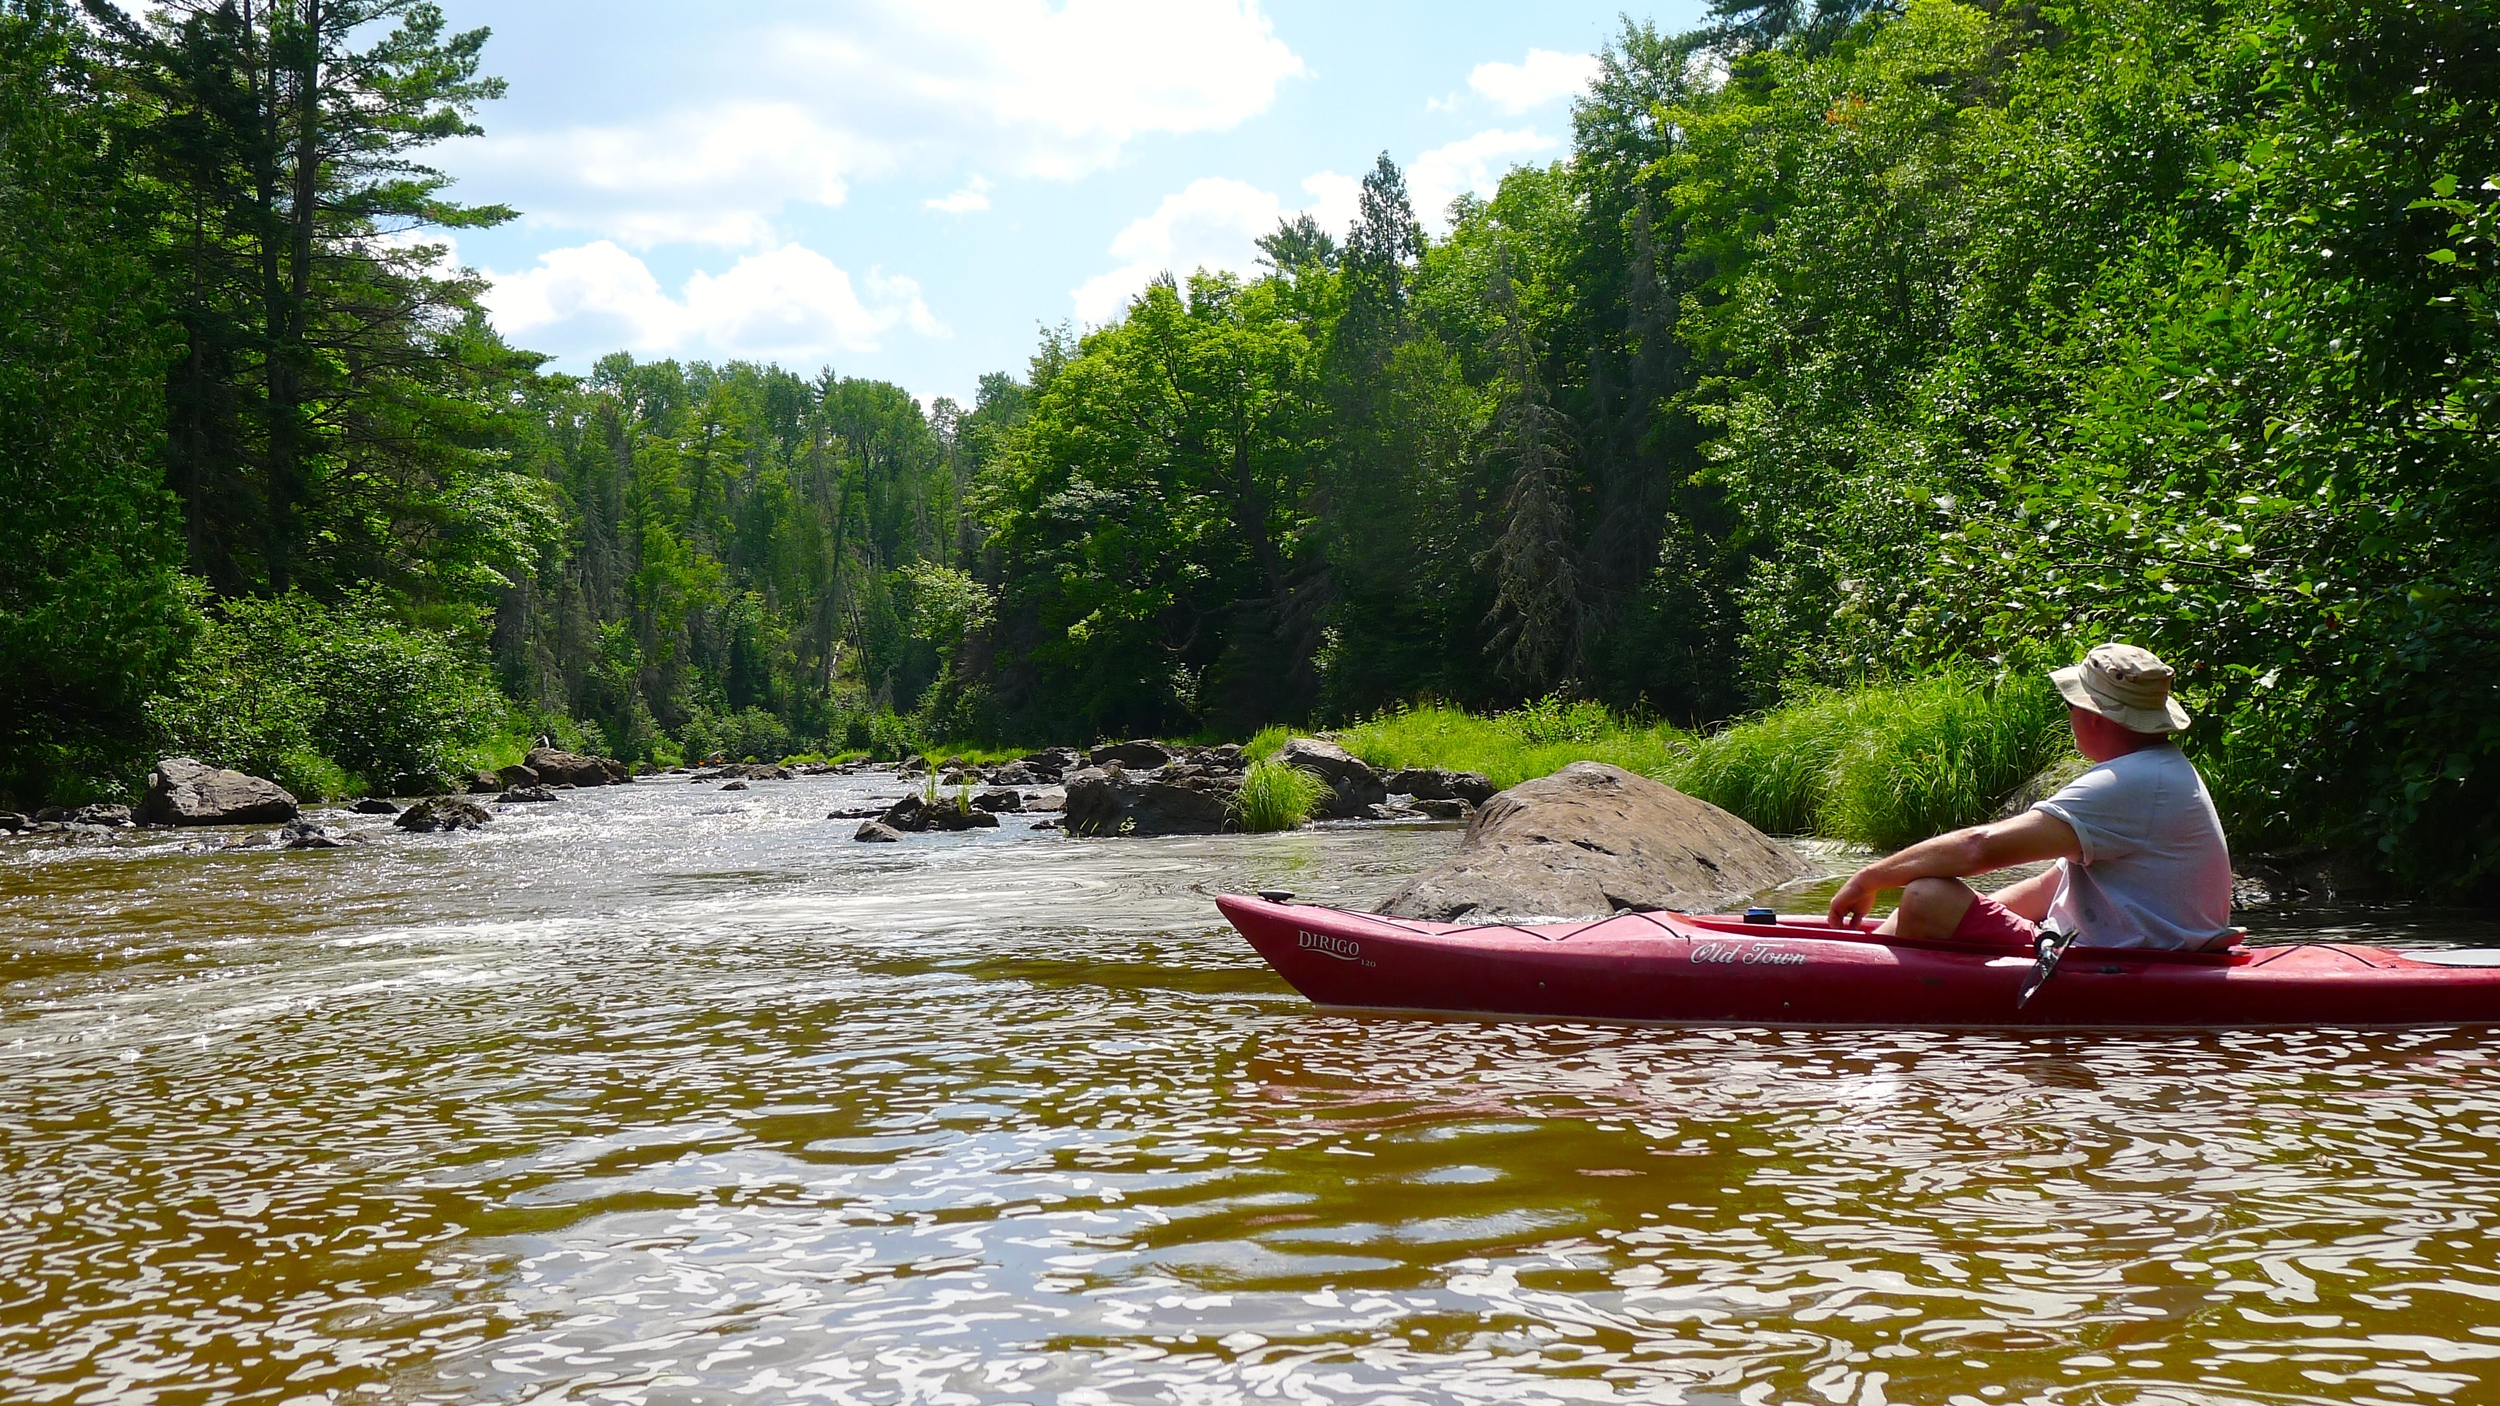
point(2155, 870)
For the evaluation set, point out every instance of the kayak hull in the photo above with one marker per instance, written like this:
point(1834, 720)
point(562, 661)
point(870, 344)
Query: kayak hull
point(1678, 969)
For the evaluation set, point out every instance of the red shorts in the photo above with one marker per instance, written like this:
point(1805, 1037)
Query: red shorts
point(1989, 921)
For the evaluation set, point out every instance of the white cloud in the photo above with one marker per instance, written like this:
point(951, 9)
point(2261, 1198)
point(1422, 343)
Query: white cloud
point(713, 180)
point(793, 303)
point(1060, 89)
point(1335, 201)
point(973, 197)
point(597, 293)
point(1469, 165)
point(1026, 88)
point(1541, 79)
point(1213, 223)
point(789, 303)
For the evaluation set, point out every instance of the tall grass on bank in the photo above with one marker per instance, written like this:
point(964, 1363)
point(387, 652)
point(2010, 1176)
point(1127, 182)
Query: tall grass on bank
point(1521, 745)
point(1275, 796)
point(1884, 766)
point(1267, 742)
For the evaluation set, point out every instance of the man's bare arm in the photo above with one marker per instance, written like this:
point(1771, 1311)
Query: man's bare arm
point(2029, 837)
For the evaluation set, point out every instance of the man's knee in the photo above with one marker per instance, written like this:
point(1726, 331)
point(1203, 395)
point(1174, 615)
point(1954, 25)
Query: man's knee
point(1934, 907)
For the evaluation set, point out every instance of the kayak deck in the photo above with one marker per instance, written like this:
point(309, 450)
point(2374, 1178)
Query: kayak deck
point(1681, 969)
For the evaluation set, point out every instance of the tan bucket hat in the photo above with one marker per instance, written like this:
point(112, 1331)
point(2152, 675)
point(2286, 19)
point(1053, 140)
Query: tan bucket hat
point(2127, 685)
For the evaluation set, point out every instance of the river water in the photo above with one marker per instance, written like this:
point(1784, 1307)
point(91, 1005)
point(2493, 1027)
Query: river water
point(661, 1094)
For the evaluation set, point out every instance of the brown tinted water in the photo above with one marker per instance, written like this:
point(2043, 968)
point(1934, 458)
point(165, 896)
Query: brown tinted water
point(665, 1095)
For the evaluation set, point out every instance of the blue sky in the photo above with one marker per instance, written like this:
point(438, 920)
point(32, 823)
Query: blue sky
point(909, 191)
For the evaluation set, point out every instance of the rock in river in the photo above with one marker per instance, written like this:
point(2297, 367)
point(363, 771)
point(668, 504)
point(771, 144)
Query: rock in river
point(1139, 755)
point(110, 817)
point(915, 813)
point(571, 767)
point(519, 795)
point(374, 805)
point(442, 813)
point(1354, 788)
point(182, 791)
point(1594, 839)
point(305, 834)
point(1111, 802)
point(1432, 783)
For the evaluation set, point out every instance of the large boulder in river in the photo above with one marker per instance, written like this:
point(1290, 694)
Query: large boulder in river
point(1354, 788)
point(442, 813)
point(1594, 839)
point(182, 791)
point(1109, 801)
point(1139, 755)
point(554, 767)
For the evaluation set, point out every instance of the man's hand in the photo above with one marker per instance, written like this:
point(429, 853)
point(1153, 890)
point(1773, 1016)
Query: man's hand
point(1855, 900)
point(2032, 835)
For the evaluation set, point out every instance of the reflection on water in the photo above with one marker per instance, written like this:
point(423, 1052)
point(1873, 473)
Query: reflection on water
point(659, 1095)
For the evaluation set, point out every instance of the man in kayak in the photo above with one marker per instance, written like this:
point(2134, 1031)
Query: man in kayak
point(2141, 861)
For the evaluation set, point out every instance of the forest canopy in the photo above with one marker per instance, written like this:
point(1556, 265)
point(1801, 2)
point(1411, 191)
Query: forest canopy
point(1849, 344)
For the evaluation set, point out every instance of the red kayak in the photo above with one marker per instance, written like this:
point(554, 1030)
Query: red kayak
point(1673, 968)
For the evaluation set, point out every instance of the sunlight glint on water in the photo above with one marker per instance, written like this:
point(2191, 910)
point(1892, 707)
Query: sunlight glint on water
point(664, 1095)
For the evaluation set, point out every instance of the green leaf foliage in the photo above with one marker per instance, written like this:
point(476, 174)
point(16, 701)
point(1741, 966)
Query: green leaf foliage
point(90, 542)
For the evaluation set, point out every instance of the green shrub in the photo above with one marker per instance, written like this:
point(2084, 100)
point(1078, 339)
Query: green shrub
point(1551, 719)
point(1267, 741)
point(1275, 796)
point(325, 699)
point(749, 734)
point(892, 737)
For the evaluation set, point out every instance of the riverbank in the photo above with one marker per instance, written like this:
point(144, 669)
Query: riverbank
point(1879, 766)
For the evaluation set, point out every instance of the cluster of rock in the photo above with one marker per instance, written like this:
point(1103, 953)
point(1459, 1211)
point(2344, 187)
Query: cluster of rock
point(1143, 788)
point(436, 813)
point(52, 819)
point(552, 770)
point(755, 771)
point(917, 813)
point(183, 791)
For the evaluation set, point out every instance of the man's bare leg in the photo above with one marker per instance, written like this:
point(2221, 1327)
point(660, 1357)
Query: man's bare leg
point(1930, 909)
point(2030, 898)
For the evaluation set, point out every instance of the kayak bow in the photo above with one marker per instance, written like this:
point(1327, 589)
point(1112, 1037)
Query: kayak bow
point(1674, 968)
